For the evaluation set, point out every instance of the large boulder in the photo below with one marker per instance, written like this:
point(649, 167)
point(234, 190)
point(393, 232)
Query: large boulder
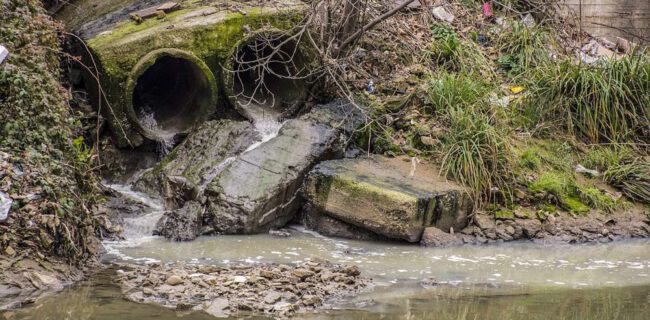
point(388, 196)
point(183, 224)
point(258, 190)
point(193, 164)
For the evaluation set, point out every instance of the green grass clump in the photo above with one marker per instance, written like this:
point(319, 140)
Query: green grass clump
point(574, 205)
point(529, 159)
point(447, 90)
point(477, 153)
point(604, 102)
point(597, 199)
point(604, 157)
point(457, 54)
point(523, 48)
point(632, 178)
point(555, 183)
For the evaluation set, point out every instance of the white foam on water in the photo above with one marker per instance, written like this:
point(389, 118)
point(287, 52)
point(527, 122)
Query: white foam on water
point(137, 230)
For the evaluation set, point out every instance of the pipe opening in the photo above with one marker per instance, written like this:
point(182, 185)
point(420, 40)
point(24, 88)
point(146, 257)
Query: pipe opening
point(268, 76)
point(171, 96)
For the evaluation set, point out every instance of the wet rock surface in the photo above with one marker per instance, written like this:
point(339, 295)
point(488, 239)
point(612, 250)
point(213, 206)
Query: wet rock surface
point(315, 219)
point(386, 196)
point(183, 224)
point(223, 291)
point(434, 237)
point(259, 190)
point(197, 160)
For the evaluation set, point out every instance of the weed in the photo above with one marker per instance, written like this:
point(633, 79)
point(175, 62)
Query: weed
point(529, 159)
point(563, 188)
point(476, 153)
point(597, 199)
point(604, 157)
point(554, 183)
point(607, 102)
point(523, 48)
point(456, 54)
point(447, 90)
point(632, 178)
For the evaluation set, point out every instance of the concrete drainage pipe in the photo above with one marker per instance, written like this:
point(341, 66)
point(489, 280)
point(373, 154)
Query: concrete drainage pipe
point(266, 76)
point(169, 91)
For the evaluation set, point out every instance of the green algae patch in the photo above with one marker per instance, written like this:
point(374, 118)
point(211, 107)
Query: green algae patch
point(574, 205)
point(357, 189)
point(504, 215)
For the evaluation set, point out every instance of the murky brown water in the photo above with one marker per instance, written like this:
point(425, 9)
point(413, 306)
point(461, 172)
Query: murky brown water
point(98, 299)
point(506, 281)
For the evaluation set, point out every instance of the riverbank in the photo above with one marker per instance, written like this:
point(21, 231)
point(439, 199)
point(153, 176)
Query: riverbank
point(47, 182)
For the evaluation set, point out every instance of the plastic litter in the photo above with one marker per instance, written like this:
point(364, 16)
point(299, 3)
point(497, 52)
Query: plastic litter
point(5, 205)
point(516, 89)
point(590, 172)
point(4, 53)
point(371, 86)
point(487, 10)
point(441, 14)
point(528, 20)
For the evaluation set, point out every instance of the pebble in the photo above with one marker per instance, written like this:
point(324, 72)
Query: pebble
point(174, 280)
point(270, 289)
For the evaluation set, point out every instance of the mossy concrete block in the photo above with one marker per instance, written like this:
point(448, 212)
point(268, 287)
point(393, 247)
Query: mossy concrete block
point(381, 195)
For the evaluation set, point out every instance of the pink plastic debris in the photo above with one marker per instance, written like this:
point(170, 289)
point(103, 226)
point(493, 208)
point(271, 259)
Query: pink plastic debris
point(487, 9)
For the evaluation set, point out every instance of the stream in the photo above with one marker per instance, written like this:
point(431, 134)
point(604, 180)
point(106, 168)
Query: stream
point(504, 281)
point(520, 280)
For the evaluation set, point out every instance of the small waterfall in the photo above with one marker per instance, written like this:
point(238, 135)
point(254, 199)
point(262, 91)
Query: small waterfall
point(164, 146)
point(140, 226)
point(137, 230)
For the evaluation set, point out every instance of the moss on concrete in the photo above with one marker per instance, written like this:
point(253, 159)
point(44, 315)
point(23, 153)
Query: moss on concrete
point(203, 31)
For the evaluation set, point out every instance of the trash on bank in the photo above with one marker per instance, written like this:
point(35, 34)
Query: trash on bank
point(4, 53)
point(440, 13)
point(5, 205)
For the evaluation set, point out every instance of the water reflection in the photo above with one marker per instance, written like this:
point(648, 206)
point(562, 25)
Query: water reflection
point(99, 299)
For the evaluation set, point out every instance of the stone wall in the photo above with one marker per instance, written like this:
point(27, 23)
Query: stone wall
point(629, 19)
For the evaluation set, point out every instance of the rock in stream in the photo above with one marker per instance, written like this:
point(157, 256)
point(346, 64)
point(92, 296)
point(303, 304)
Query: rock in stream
point(386, 196)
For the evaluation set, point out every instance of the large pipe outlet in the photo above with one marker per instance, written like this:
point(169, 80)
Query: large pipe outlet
point(267, 76)
point(169, 91)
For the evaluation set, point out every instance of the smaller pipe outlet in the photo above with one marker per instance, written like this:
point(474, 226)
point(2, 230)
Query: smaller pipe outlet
point(267, 76)
point(169, 92)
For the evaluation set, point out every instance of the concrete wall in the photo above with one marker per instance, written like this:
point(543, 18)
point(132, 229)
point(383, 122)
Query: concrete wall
point(601, 18)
